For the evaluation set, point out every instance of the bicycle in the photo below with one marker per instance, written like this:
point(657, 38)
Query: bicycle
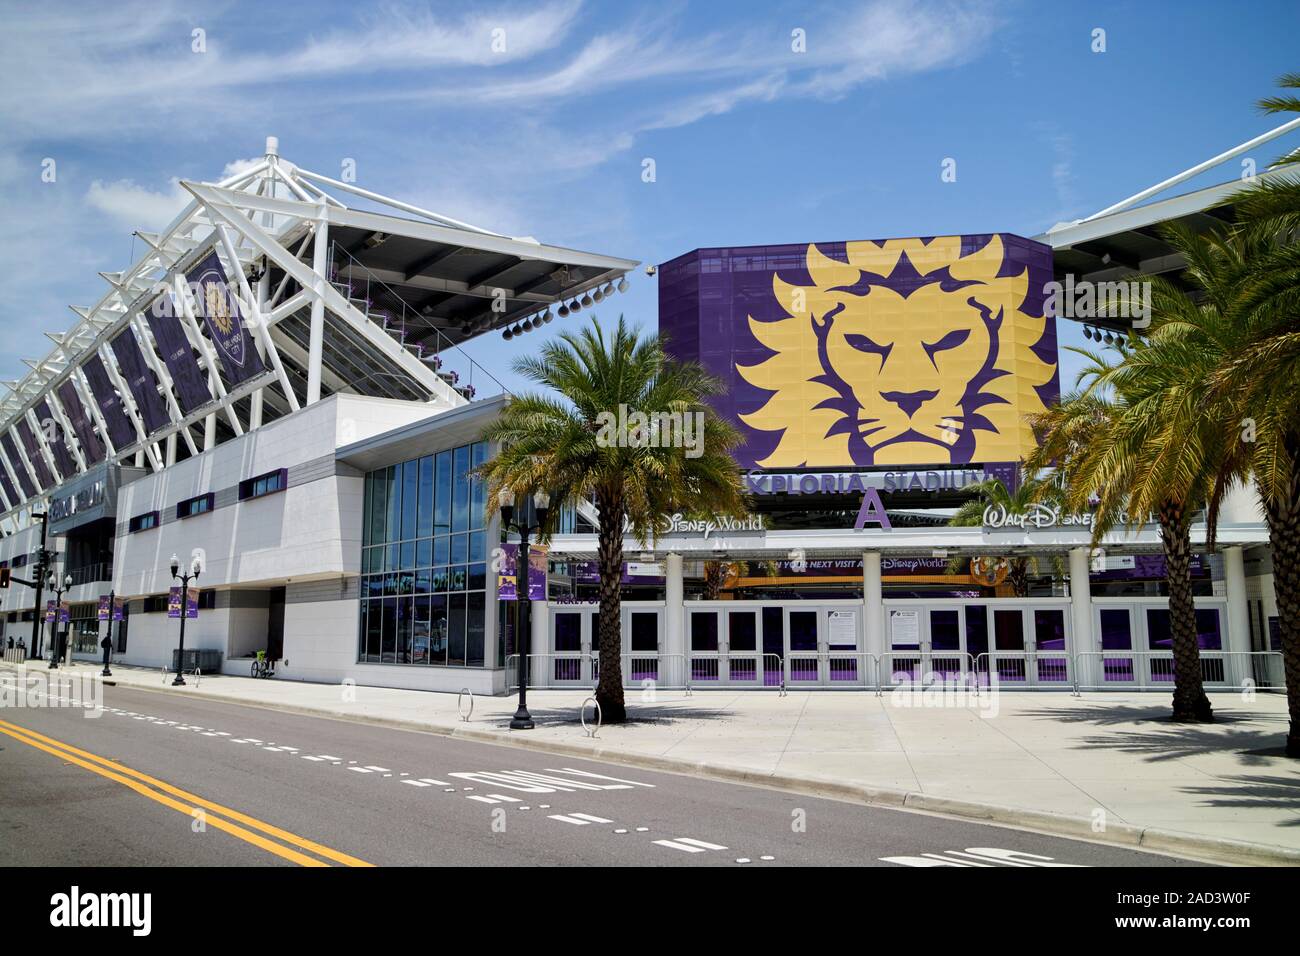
point(263, 667)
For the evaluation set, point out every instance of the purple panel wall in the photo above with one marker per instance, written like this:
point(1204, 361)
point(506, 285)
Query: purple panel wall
point(190, 381)
point(141, 380)
point(28, 438)
point(984, 294)
point(20, 470)
point(59, 447)
point(82, 422)
point(120, 429)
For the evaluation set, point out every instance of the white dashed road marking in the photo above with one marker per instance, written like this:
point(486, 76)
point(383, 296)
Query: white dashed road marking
point(578, 819)
point(978, 856)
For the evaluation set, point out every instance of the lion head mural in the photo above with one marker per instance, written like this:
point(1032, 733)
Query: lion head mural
point(902, 352)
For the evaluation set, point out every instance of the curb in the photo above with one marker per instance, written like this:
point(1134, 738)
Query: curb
point(1150, 839)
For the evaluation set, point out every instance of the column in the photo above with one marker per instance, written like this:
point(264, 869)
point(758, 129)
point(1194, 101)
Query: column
point(873, 606)
point(1082, 638)
point(539, 665)
point(1237, 626)
point(315, 344)
point(672, 669)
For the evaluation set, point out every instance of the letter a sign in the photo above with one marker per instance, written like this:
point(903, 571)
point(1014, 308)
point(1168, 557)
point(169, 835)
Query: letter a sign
point(872, 511)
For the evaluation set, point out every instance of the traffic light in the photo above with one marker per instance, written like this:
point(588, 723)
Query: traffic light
point(4, 577)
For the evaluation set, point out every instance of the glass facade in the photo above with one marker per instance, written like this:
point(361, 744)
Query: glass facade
point(424, 562)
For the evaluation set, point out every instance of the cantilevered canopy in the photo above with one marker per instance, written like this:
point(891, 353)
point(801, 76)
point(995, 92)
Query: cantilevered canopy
point(1124, 238)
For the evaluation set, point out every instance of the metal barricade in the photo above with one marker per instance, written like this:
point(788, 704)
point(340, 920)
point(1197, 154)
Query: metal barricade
point(562, 669)
point(1015, 670)
point(914, 668)
point(1154, 670)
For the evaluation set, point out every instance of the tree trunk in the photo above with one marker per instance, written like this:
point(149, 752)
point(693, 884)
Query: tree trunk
point(1018, 575)
point(1284, 539)
point(713, 577)
point(609, 557)
point(1190, 702)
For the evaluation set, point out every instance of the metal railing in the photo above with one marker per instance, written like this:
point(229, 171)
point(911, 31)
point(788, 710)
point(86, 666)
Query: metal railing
point(16, 654)
point(91, 573)
point(1005, 670)
point(1154, 670)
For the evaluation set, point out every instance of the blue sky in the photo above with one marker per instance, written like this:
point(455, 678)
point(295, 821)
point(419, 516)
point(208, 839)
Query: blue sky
point(752, 142)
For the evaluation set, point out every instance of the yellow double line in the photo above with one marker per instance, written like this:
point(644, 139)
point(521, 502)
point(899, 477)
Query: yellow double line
point(239, 825)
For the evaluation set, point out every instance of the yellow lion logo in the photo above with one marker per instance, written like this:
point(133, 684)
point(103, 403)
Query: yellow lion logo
point(908, 353)
point(217, 308)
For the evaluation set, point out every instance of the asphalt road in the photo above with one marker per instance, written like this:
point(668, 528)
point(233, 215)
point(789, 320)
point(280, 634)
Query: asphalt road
point(162, 780)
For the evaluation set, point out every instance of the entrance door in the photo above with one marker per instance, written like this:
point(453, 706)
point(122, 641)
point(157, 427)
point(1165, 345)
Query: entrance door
point(946, 657)
point(568, 663)
point(1115, 625)
point(804, 643)
point(275, 625)
point(642, 651)
point(743, 658)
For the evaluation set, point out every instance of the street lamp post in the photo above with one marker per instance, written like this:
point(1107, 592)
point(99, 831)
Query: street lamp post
point(52, 582)
point(523, 720)
point(185, 580)
point(107, 643)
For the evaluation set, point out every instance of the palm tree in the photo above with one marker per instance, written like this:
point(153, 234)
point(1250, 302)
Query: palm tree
point(584, 442)
point(991, 492)
point(1240, 359)
point(1112, 442)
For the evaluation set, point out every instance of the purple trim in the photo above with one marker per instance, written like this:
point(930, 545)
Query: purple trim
point(182, 507)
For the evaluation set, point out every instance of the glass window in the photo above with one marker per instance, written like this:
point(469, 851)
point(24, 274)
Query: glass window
point(378, 507)
point(474, 630)
point(420, 632)
point(392, 477)
point(438, 629)
point(408, 555)
point(442, 493)
point(477, 577)
point(424, 553)
point(404, 618)
point(410, 497)
point(442, 550)
point(478, 546)
point(459, 548)
point(388, 645)
point(439, 582)
point(424, 520)
point(478, 487)
point(460, 490)
point(456, 630)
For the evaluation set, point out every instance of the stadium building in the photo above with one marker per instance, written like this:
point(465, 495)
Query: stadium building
point(280, 388)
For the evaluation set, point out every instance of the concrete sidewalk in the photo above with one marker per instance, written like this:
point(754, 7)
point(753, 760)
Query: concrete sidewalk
point(1046, 761)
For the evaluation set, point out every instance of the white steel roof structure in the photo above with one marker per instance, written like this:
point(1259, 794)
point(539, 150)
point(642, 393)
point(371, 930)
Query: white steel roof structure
point(1124, 239)
point(374, 301)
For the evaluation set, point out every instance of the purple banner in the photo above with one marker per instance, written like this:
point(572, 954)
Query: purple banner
point(28, 438)
point(140, 380)
point(174, 602)
point(507, 589)
point(216, 303)
point(120, 429)
point(82, 423)
point(59, 446)
point(906, 352)
point(104, 609)
point(191, 384)
point(20, 470)
point(10, 491)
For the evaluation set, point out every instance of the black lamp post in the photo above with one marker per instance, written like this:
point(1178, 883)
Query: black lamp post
point(107, 642)
point(52, 582)
point(185, 580)
point(541, 505)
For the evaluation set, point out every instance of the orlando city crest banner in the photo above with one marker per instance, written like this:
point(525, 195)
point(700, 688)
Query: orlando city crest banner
point(219, 310)
point(896, 352)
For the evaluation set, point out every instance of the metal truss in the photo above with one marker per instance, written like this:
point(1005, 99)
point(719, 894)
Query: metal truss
point(270, 215)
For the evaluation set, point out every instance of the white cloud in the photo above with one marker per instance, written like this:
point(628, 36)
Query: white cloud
point(137, 206)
